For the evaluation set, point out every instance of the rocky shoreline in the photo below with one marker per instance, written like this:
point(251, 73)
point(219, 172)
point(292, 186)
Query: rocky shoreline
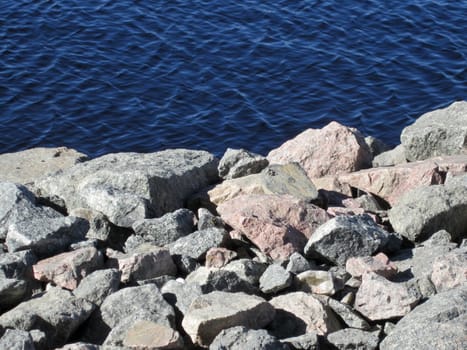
point(331, 241)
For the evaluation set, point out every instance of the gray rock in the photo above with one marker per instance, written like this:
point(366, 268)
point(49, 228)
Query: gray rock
point(241, 338)
point(181, 294)
point(369, 203)
point(450, 270)
point(57, 312)
point(249, 270)
point(274, 279)
point(12, 292)
point(239, 162)
point(15, 339)
point(307, 341)
point(98, 285)
point(208, 220)
point(82, 346)
point(346, 236)
point(17, 265)
point(133, 242)
point(297, 264)
point(196, 244)
point(346, 313)
point(209, 314)
point(439, 323)
point(166, 229)
point(99, 226)
point(428, 209)
point(440, 237)
point(390, 158)
point(375, 145)
point(439, 132)
point(349, 339)
point(127, 187)
point(185, 264)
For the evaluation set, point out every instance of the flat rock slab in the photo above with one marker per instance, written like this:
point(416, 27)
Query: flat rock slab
point(46, 313)
point(331, 150)
point(27, 166)
point(439, 132)
point(439, 323)
point(127, 187)
point(278, 225)
point(209, 314)
point(151, 335)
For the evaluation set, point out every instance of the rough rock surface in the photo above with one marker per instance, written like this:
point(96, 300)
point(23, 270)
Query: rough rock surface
point(344, 237)
point(318, 282)
point(27, 166)
point(390, 158)
point(68, 269)
point(207, 220)
point(379, 264)
point(241, 338)
point(46, 313)
point(219, 257)
point(379, 299)
point(450, 270)
point(426, 210)
point(209, 314)
point(349, 338)
point(331, 150)
point(439, 323)
point(196, 244)
point(278, 224)
point(439, 132)
point(346, 313)
point(307, 341)
point(15, 339)
point(127, 187)
point(376, 145)
point(98, 285)
point(180, 294)
point(12, 292)
point(297, 264)
point(248, 270)
point(99, 226)
point(151, 335)
point(239, 162)
point(17, 265)
point(277, 179)
point(274, 279)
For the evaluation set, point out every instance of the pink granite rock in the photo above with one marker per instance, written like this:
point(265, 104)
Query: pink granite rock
point(219, 257)
point(378, 264)
point(331, 150)
point(278, 224)
point(68, 269)
point(450, 270)
point(379, 299)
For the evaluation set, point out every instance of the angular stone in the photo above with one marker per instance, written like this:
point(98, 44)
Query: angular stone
point(12, 292)
point(390, 158)
point(145, 262)
point(180, 294)
point(307, 341)
point(127, 187)
point(278, 225)
point(151, 335)
point(209, 314)
point(219, 257)
point(353, 339)
point(99, 226)
point(379, 299)
point(98, 285)
point(318, 282)
point(298, 313)
point(80, 346)
point(248, 270)
point(344, 237)
point(208, 220)
point(15, 339)
point(450, 270)
point(274, 279)
point(440, 237)
point(439, 323)
point(185, 264)
point(17, 265)
point(68, 269)
point(439, 132)
point(287, 179)
point(331, 150)
point(27, 166)
point(46, 237)
point(345, 312)
point(297, 264)
point(241, 338)
point(57, 312)
point(426, 210)
point(379, 264)
point(376, 145)
point(239, 162)
point(196, 244)
point(166, 229)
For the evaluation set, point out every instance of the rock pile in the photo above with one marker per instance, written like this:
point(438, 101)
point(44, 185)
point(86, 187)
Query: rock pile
point(307, 248)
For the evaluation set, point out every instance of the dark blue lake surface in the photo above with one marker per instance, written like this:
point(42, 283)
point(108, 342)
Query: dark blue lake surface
point(108, 76)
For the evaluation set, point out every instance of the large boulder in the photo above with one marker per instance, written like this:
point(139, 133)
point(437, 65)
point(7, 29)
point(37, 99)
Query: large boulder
point(98, 285)
point(209, 314)
point(127, 187)
point(278, 224)
point(27, 166)
point(331, 150)
point(439, 323)
point(439, 132)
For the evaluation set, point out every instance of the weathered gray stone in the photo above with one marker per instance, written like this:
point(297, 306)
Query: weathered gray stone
point(185, 264)
point(145, 262)
point(439, 132)
point(82, 346)
point(196, 244)
point(27, 166)
point(248, 270)
point(439, 323)
point(12, 292)
point(347, 339)
point(307, 341)
point(15, 339)
point(46, 237)
point(209, 314)
point(241, 338)
point(207, 220)
point(239, 162)
point(99, 226)
point(274, 279)
point(219, 257)
point(57, 312)
point(376, 145)
point(317, 282)
point(297, 264)
point(390, 158)
point(96, 286)
point(180, 294)
point(298, 313)
point(127, 187)
point(166, 229)
point(17, 265)
point(346, 236)
point(426, 210)
point(450, 270)
point(345, 312)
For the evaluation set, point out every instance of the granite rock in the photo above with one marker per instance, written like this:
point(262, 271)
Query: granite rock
point(450, 270)
point(241, 338)
point(180, 294)
point(15, 339)
point(239, 162)
point(274, 279)
point(346, 339)
point(390, 158)
point(12, 292)
point(379, 264)
point(98, 285)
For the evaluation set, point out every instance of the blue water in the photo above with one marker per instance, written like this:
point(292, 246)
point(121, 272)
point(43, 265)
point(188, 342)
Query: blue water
point(129, 75)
